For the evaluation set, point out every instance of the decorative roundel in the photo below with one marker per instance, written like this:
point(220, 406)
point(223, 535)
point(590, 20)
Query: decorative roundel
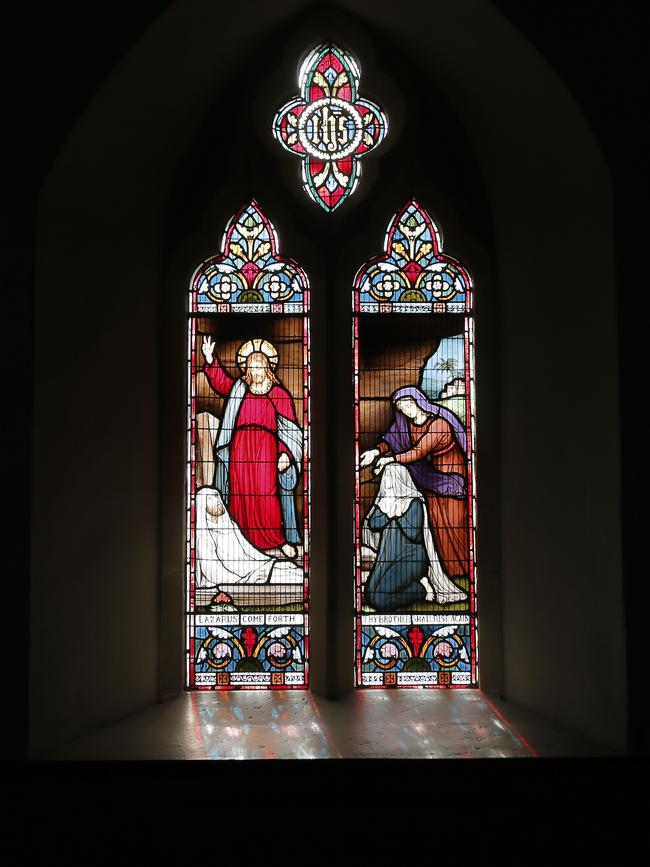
point(388, 652)
point(441, 282)
point(448, 650)
point(278, 284)
point(224, 286)
point(329, 126)
point(386, 285)
point(258, 344)
point(220, 653)
point(330, 114)
point(279, 652)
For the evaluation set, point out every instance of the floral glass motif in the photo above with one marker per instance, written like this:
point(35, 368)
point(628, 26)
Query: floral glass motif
point(249, 275)
point(415, 571)
point(413, 275)
point(329, 125)
point(248, 511)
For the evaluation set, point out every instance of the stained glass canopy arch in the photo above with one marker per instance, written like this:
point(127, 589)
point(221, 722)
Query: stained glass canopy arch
point(249, 275)
point(329, 125)
point(412, 275)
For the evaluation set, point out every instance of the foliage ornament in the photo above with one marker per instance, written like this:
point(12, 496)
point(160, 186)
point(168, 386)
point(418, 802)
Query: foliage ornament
point(249, 275)
point(413, 274)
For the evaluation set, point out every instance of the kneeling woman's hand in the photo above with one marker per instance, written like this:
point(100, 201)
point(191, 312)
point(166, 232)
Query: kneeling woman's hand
point(381, 463)
point(368, 457)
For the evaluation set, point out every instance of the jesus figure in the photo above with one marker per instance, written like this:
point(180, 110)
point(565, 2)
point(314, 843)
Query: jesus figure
point(258, 451)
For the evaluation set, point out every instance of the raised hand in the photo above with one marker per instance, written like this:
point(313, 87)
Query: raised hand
point(283, 463)
point(207, 348)
point(368, 457)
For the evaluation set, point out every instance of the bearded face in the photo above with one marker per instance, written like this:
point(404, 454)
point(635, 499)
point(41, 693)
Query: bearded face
point(257, 371)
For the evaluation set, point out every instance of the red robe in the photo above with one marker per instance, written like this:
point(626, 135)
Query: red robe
point(254, 499)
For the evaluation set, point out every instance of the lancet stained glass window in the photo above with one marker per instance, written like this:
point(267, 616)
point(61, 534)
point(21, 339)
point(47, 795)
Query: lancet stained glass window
point(415, 575)
point(248, 471)
point(329, 125)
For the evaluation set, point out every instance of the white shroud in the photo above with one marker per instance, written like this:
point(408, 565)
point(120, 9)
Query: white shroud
point(226, 557)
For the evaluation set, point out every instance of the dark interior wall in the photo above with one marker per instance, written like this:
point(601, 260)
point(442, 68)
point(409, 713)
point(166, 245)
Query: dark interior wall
point(112, 210)
point(550, 194)
point(96, 494)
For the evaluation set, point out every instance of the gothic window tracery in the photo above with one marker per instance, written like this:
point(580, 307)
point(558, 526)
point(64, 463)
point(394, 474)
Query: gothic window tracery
point(248, 517)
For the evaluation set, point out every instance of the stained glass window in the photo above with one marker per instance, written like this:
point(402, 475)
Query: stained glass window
point(329, 125)
point(248, 513)
point(415, 573)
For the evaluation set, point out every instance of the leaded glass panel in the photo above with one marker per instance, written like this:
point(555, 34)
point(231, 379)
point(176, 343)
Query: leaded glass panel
point(248, 464)
point(415, 574)
point(329, 125)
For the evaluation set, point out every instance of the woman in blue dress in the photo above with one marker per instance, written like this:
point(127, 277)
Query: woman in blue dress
point(407, 567)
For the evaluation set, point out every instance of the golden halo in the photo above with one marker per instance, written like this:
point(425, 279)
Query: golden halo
point(257, 344)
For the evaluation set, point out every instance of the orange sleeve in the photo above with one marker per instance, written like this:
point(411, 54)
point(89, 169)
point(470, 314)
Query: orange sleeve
point(436, 436)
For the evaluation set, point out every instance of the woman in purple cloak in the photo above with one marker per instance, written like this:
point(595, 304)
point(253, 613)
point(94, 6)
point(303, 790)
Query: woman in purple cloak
point(432, 443)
